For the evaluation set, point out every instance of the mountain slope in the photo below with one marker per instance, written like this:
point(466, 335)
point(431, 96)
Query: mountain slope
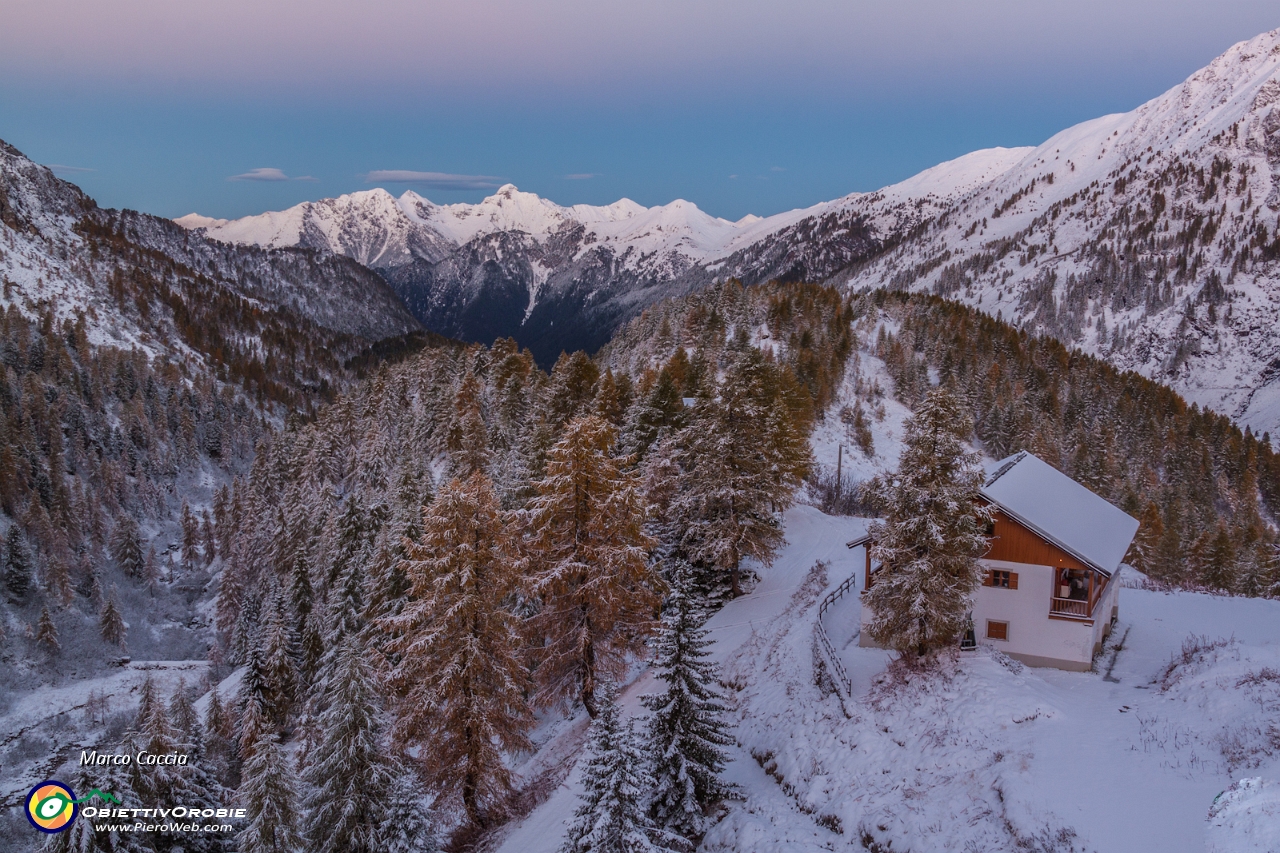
point(281, 322)
point(1147, 237)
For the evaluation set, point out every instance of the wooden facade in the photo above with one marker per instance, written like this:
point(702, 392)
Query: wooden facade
point(1013, 543)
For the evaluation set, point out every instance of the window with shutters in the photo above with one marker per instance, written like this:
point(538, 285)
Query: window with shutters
point(1001, 579)
point(997, 630)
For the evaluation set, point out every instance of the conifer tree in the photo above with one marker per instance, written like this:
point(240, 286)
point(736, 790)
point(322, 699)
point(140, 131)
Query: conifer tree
point(932, 535)
point(208, 537)
point(253, 705)
point(468, 438)
point(408, 825)
point(612, 817)
point(350, 540)
point(183, 715)
point(349, 752)
point(279, 670)
point(58, 579)
point(110, 622)
point(17, 564)
point(190, 539)
point(151, 569)
point(156, 733)
point(687, 733)
point(460, 682)
point(47, 632)
point(741, 459)
point(589, 550)
point(126, 547)
point(1219, 571)
point(83, 835)
point(662, 409)
point(270, 798)
point(219, 740)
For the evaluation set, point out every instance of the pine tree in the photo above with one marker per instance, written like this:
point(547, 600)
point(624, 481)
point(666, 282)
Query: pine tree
point(350, 751)
point(279, 670)
point(661, 410)
point(190, 539)
point(460, 681)
point(208, 537)
point(253, 705)
point(47, 632)
point(157, 733)
point(183, 715)
point(408, 826)
point(1220, 569)
point(151, 570)
point(932, 535)
point(219, 740)
point(612, 817)
point(58, 580)
point(741, 459)
point(17, 564)
point(590, 552)
point(270, 799)
point(111, 623)
point(83, 835)
point(687, 733)
point(126, 547)
point(468, 438)
point(350, 541)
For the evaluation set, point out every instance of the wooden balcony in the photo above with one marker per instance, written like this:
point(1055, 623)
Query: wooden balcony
point(1079, 606)
point(1074, 607)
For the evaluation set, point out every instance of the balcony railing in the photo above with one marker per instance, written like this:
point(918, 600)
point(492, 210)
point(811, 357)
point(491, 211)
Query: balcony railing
point(1078, 608)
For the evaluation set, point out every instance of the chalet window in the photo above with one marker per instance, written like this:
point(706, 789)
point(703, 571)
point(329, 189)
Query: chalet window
point(1001, 579)
point(997, 630)
point(990, 528)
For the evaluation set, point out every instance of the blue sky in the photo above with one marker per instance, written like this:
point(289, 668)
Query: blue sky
point(741, 107)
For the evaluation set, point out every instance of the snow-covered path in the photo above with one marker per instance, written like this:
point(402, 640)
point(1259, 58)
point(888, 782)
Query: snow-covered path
point(989, 756)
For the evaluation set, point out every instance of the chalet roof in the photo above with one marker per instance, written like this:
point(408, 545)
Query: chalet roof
point(1051, 504)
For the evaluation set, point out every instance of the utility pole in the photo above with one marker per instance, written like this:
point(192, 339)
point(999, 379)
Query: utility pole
point(839, 465)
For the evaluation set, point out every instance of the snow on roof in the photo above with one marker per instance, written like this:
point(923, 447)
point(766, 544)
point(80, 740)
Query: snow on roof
point(1061, 510)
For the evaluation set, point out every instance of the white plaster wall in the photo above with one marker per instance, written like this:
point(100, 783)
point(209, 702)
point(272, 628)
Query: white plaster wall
point(1032, 634)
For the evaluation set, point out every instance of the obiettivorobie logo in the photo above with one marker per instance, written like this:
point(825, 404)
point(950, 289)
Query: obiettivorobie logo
point(52, 806)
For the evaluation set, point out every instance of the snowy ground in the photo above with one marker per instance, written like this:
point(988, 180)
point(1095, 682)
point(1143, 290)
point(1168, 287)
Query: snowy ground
point(986, 755)
point(47, 727)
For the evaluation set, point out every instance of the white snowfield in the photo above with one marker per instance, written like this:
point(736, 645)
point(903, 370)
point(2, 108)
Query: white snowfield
point(989, 755)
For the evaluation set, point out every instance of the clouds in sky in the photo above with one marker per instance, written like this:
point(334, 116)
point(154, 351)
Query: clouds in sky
point(67, 171)
point(433, 180)
point(268, 176)
point(582, 176)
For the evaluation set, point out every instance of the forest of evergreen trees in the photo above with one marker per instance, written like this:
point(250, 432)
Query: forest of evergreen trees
point(473, 539)
point(97, 447)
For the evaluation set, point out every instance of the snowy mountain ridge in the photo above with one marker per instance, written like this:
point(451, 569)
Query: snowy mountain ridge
point(1146, 237)
point(562, 277)
point(381, 230)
